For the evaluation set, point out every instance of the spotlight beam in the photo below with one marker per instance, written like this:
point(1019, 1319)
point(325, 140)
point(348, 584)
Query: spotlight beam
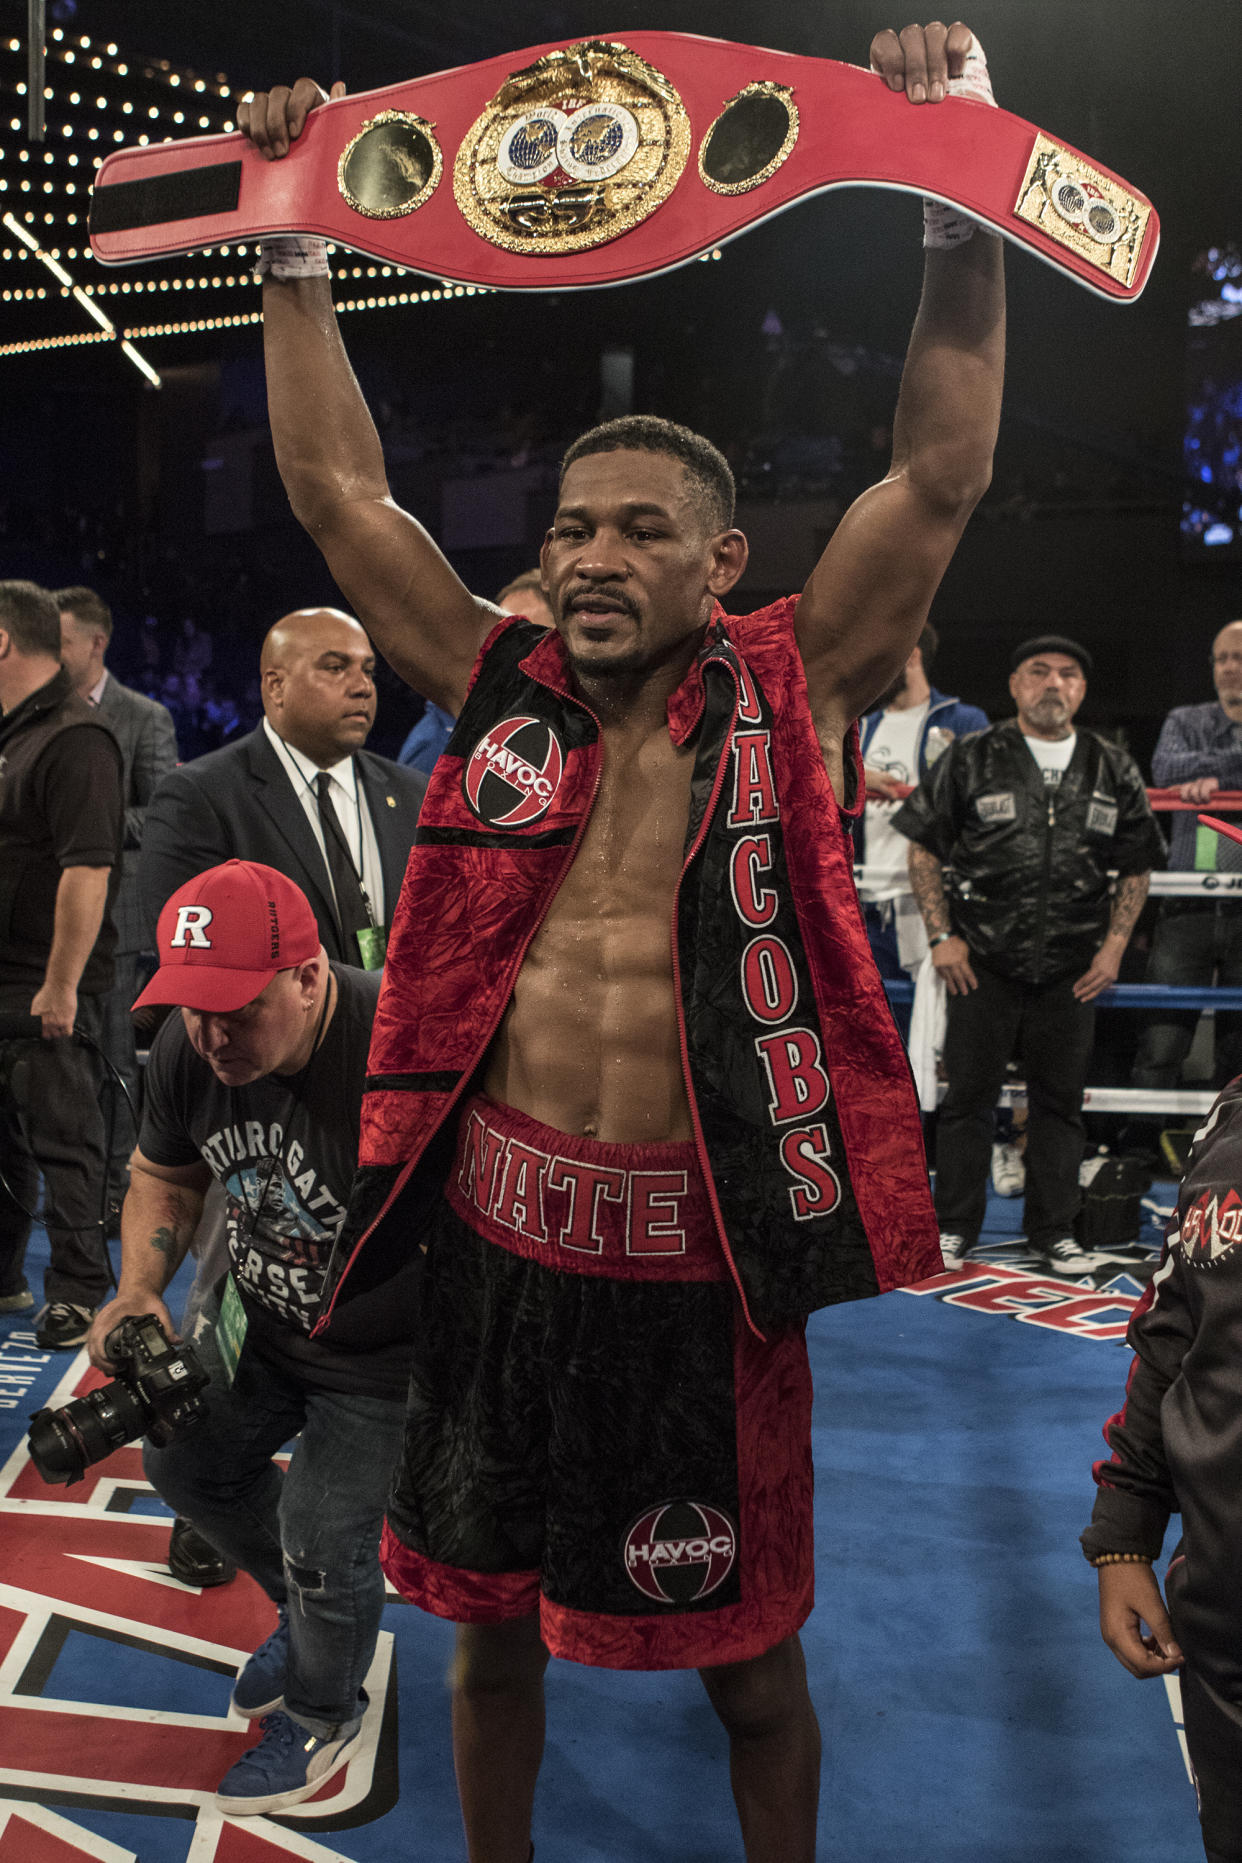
point(83, 298)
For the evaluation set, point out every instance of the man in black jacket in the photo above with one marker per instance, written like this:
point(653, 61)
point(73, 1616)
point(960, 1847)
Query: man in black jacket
point(1029, 816)
point(299, 794)
point(61, 816)
point(1173, 1449)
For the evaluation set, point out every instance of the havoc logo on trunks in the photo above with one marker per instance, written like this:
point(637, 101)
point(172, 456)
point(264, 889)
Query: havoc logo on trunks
point(680, 1551)
point(1211, 1228)
point(513, 773)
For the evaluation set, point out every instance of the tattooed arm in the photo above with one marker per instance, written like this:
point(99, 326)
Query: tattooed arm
point(1127, 904)
point(950, 955)
point(161, 1212)
point(927, 885)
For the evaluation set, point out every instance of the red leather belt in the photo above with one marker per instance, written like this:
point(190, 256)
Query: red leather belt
point(590, 163)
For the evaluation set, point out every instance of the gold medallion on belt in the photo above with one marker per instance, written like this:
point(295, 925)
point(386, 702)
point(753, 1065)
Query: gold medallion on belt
point(573, 151)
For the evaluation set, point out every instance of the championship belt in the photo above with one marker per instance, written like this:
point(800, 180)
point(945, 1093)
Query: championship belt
point(588, 164)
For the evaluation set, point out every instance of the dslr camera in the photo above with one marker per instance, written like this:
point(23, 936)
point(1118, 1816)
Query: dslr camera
point(155, 1393)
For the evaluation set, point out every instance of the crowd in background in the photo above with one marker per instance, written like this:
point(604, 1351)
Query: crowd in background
point(188, 607)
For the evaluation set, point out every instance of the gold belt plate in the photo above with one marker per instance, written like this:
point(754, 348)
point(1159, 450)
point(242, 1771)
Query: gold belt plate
point(573, 151)
point(1097, 218)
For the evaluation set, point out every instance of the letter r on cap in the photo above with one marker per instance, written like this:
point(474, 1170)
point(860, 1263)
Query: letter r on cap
point(191, 921)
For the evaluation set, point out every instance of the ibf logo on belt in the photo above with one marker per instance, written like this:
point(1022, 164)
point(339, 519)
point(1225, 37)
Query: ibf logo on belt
point(680, 1551)
point(513, 773)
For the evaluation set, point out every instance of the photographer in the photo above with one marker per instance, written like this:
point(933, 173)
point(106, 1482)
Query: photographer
point(258, 1084)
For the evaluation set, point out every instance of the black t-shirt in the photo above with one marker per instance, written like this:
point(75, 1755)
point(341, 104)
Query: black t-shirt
point(285, 1150)
point(61, 805)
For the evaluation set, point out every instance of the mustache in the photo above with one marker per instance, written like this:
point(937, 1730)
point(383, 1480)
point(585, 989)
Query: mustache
point(601, 592)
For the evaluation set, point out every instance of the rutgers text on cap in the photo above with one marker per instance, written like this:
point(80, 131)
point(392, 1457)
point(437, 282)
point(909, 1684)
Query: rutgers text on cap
point(223, 936)
point(1052, 643)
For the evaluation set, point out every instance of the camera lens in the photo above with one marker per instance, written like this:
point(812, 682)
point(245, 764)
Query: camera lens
point(156, 1393)
point(64, 1442)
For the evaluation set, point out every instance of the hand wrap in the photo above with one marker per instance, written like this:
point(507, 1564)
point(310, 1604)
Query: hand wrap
point(293, 255)
point(945, 227)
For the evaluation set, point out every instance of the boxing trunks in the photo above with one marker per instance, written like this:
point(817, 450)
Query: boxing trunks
point(593, 1433)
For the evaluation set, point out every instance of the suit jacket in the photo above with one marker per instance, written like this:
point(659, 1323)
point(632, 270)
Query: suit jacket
point(148, 741)
point(239, 804)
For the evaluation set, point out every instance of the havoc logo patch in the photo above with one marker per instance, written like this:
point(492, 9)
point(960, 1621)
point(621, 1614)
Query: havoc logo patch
point(513, 773)
point(1211, 1228)
point(680, 1551)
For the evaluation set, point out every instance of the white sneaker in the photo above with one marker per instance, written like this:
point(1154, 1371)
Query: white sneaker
point(1065, 1257)
point(1008, 1170)
point(953, 1249)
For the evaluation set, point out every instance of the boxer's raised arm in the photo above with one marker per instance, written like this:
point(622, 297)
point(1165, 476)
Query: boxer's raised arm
point(420, 615)
point(868, 597)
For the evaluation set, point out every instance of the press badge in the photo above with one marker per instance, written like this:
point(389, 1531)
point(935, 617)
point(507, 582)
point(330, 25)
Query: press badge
point(372, 945)
point(1001, 807)
point(231, 1328)
point(1101, 817)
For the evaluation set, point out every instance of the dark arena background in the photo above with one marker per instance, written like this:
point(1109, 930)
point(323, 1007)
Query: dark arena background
point(970, 1711)
point(784, 350)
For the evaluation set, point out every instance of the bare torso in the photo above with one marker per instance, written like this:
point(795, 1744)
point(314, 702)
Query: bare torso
point(590, 1042)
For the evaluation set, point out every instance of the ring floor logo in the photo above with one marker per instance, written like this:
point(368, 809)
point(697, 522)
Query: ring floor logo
point(115, 1725)
point(1063, 1306)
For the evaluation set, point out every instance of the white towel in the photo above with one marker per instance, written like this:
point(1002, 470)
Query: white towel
point(927, 1020)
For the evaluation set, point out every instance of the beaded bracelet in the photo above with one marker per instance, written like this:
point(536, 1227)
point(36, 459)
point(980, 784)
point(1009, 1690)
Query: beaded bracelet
point(1120, 1559)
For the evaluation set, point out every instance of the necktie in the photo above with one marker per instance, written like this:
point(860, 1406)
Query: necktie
point(351, 905)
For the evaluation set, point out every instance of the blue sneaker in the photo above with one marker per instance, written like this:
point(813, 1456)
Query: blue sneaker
point(260, 1685)
point(289, 1764)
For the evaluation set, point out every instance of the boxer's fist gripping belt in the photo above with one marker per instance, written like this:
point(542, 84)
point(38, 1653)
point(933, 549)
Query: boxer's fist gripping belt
point(600, 161)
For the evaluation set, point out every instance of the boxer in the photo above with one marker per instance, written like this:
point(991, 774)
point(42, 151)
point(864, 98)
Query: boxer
point(634, 1085)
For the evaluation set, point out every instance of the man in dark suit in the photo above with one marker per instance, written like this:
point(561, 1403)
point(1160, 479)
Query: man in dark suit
point(300, 793)
point(147, 737)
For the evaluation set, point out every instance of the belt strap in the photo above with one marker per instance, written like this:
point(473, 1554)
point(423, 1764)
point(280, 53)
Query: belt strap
point(587, 164)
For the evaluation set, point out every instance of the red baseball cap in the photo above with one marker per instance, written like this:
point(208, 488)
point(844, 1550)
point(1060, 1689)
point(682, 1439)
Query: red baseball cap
point(223, 936)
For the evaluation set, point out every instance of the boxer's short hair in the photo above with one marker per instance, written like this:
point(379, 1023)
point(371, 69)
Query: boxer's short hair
point(705, 466)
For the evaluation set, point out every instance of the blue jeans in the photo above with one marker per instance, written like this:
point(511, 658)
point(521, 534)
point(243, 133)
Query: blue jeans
point(882, 937)
point(310, 1538)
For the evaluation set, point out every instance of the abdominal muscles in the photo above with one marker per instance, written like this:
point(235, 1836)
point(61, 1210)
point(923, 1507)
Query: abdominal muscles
point(590, 1043)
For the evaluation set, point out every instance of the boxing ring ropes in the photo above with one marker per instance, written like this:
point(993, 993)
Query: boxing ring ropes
point(1186, 1100)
